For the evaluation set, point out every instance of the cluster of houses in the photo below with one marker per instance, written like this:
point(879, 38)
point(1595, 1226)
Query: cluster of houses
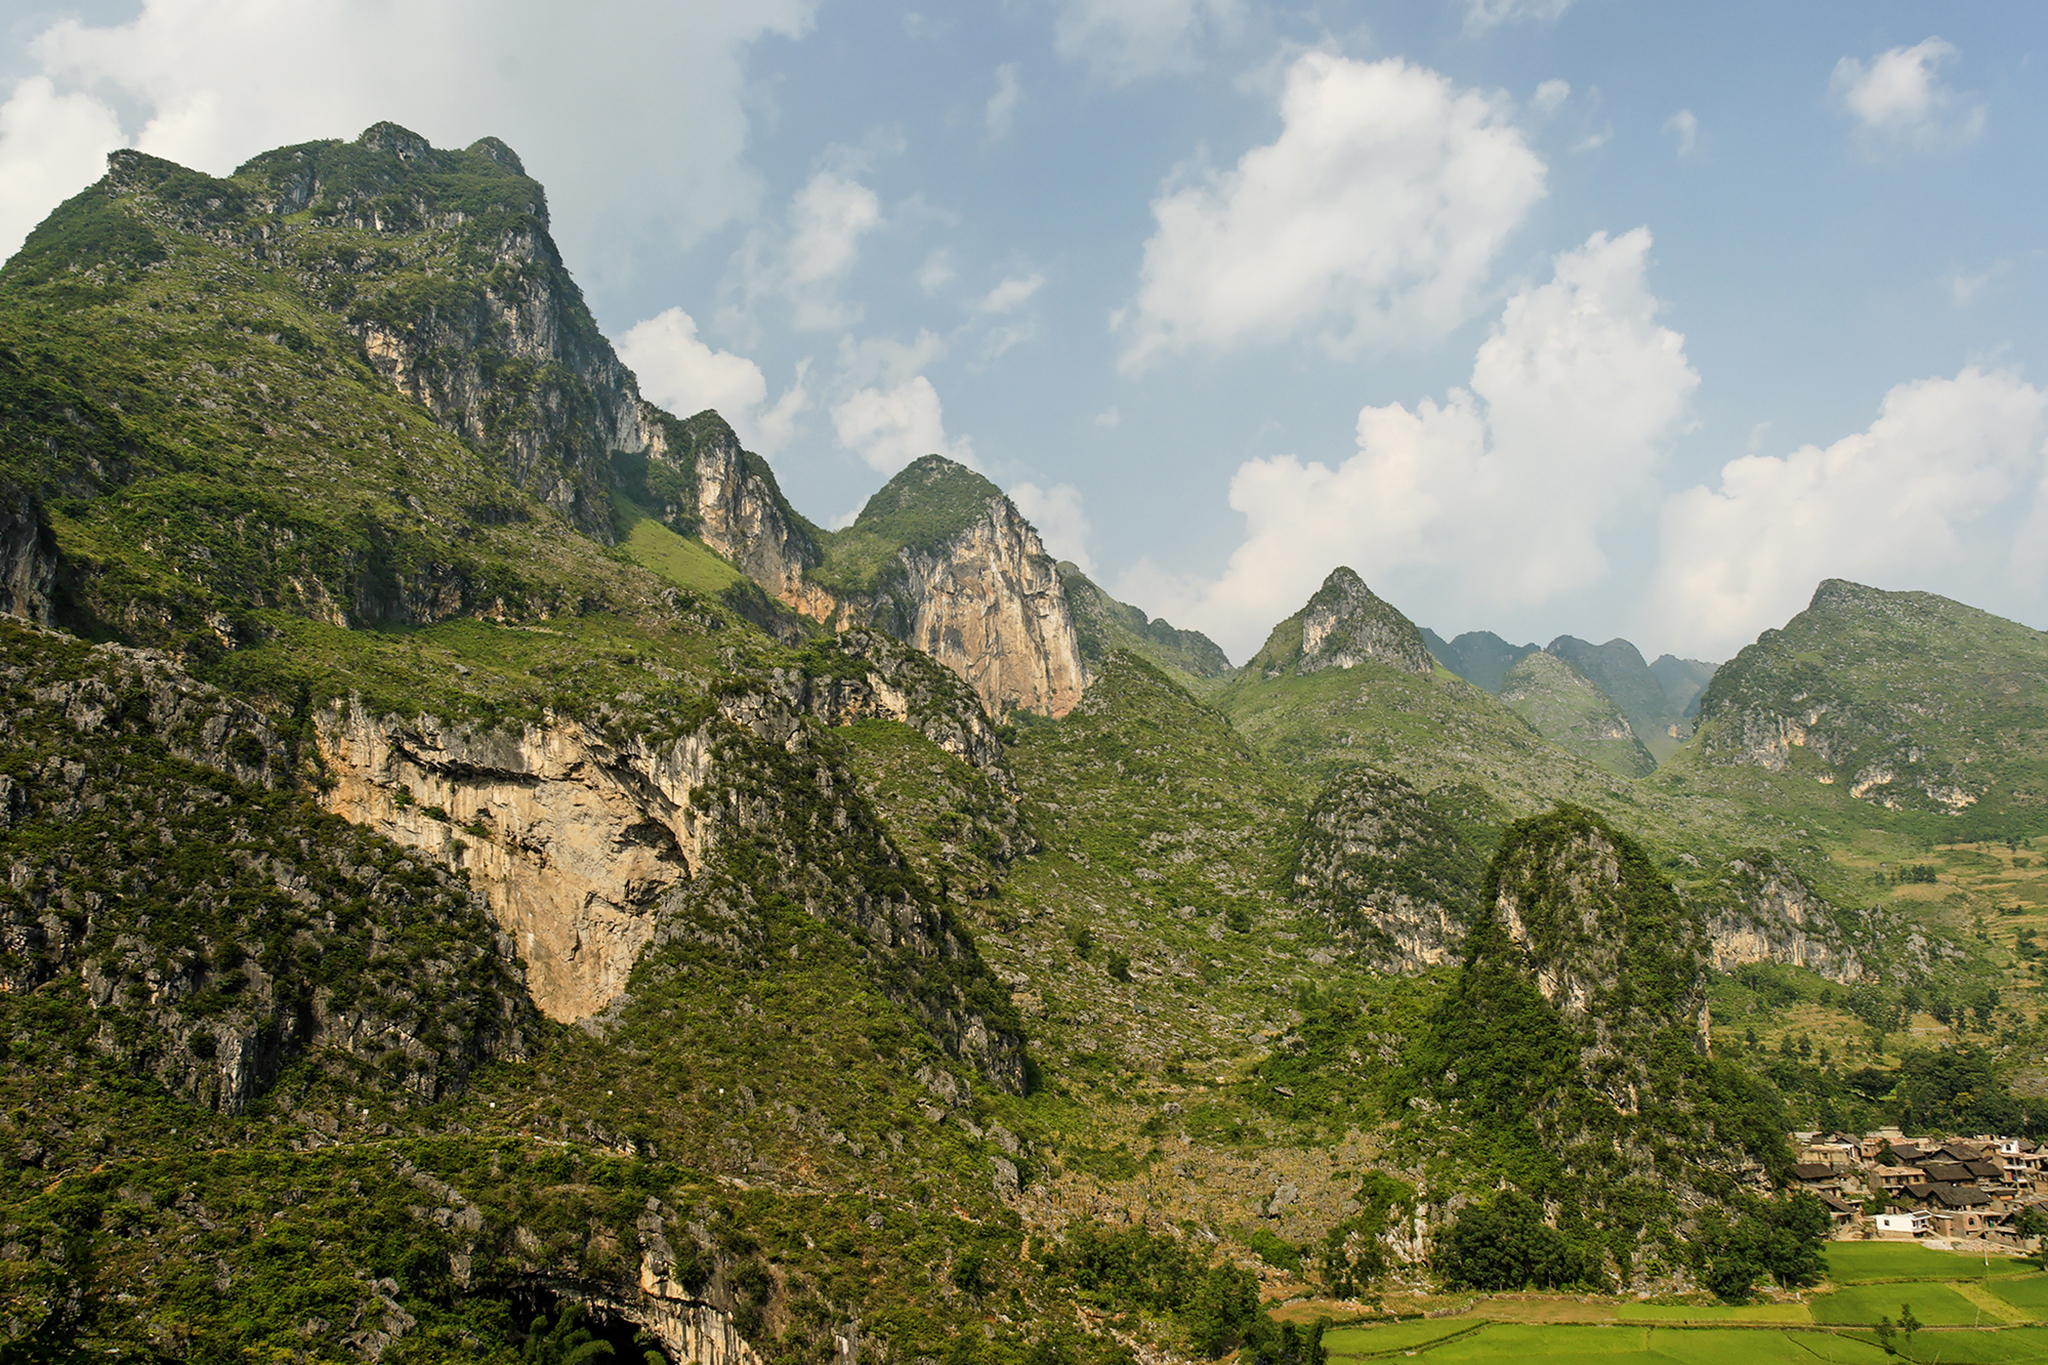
point(1886, 1184)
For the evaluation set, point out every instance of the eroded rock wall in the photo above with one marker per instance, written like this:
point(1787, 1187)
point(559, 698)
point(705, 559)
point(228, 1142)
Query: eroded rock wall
point(991, 607)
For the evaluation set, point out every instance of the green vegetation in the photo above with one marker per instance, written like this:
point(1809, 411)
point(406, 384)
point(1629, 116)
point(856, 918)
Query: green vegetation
point(1103, 626)
point(922, 510)
point(1571, 712)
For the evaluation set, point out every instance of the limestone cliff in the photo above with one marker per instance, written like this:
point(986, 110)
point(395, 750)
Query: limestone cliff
point(1604, 936)
point(989, 605)
point(218, 926)
point(1344, 625)
point(1386, 872)
point(501, 348)
point(939, 558)
point(582, 834)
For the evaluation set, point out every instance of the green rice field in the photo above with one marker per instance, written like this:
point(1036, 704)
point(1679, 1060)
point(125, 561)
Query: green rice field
point(1967, 1306)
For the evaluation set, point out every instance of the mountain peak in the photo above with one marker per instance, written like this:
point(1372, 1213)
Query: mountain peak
point(1347, 623)
point(403, 143)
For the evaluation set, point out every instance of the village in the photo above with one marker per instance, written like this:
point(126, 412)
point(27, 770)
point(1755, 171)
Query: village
point(1987, 1190)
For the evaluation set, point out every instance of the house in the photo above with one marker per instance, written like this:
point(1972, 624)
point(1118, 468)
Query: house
point(1841, 1213)
point(1818, 1177)
point(1893, 1179)
point(1911, 1224)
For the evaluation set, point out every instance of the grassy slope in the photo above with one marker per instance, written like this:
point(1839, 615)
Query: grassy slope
point(1570, 711)
point(1105, 625)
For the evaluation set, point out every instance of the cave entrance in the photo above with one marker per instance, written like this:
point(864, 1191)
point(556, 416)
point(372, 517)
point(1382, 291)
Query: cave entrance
point(630, 1343)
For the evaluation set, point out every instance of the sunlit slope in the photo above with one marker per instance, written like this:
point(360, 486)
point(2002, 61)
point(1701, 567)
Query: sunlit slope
point(1894, 710)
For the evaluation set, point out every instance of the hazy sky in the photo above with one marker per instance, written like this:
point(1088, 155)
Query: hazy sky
point(1588, 316)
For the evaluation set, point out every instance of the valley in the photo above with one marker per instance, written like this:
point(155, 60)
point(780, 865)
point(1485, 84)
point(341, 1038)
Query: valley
point(478, 853)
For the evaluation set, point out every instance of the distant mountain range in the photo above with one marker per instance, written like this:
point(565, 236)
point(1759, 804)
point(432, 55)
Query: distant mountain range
point(478, 856)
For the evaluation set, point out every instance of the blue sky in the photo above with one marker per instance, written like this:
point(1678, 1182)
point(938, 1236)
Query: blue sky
point(1549, 316)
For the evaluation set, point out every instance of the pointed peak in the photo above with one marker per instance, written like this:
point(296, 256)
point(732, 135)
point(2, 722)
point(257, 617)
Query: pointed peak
point(403, 143)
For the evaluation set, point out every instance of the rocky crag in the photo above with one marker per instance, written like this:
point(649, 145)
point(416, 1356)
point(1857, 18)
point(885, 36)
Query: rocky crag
point(1904, 700)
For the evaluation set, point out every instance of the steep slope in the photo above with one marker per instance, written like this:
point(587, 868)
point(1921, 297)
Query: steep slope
point(1617, 668)
point(1569, 711)
point(1103, 625)
point(1344, 625)
point(1572, 1051)
point(1396, 878)
point(1478, 656)
point(1683, 680)
point(1900, 700)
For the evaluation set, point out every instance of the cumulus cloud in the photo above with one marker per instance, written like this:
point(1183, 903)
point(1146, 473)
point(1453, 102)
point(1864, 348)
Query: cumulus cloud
point(1551, 95)
point(1481, 15)
point(890, 427)
point(1012, 294)
point(208, 83)
point(1374, 218)
point(1494, 498)
point(1898, 98)
point(1002, 105)
point(684, 374)
point(1126, 40)
point(1945, 475)
point(827, 219)
point(1061, 520)
point(51, 146)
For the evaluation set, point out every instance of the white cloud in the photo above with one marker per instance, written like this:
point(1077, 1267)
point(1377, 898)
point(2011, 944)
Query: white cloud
point(881, 361)
point(1481, 15)
point(890, 427)
point(1686, 128)
point(1899, 100)
point(1125, 40)
point(51, 147)
point(1941, 480)
point(937, 271)
point(827, 219)
point(1012, 294)
point(1002, 105)
point(1493, 499)
point(1551, 95)
point(1061, 520)
point(685, 375)
point(1374, 218)
point(209, 83)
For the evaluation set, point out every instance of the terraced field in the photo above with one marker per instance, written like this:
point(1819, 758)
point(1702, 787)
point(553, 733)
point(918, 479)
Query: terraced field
point(1971, 1309)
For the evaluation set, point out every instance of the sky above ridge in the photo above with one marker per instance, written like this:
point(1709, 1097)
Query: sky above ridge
point(1599, 317)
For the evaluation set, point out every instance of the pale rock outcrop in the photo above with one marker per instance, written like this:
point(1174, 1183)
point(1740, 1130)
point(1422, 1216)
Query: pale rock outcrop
point(1346, 623)
point(1776, 917)
point(990, 607)
point(574, 839)
point(740, 516)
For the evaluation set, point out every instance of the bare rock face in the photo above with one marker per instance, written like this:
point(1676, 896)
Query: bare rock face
point(990, 607)
point(1387, 872)
point(575, 840)
point(285, 937)
point(738, 510)
point(1779, 919)
point(28, 558)
point(1347, 623)
point(571, 840)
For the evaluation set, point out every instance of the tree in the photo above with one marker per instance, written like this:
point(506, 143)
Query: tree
point(1908, 1324)
point(566, 1342)
point(1506, 1245)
